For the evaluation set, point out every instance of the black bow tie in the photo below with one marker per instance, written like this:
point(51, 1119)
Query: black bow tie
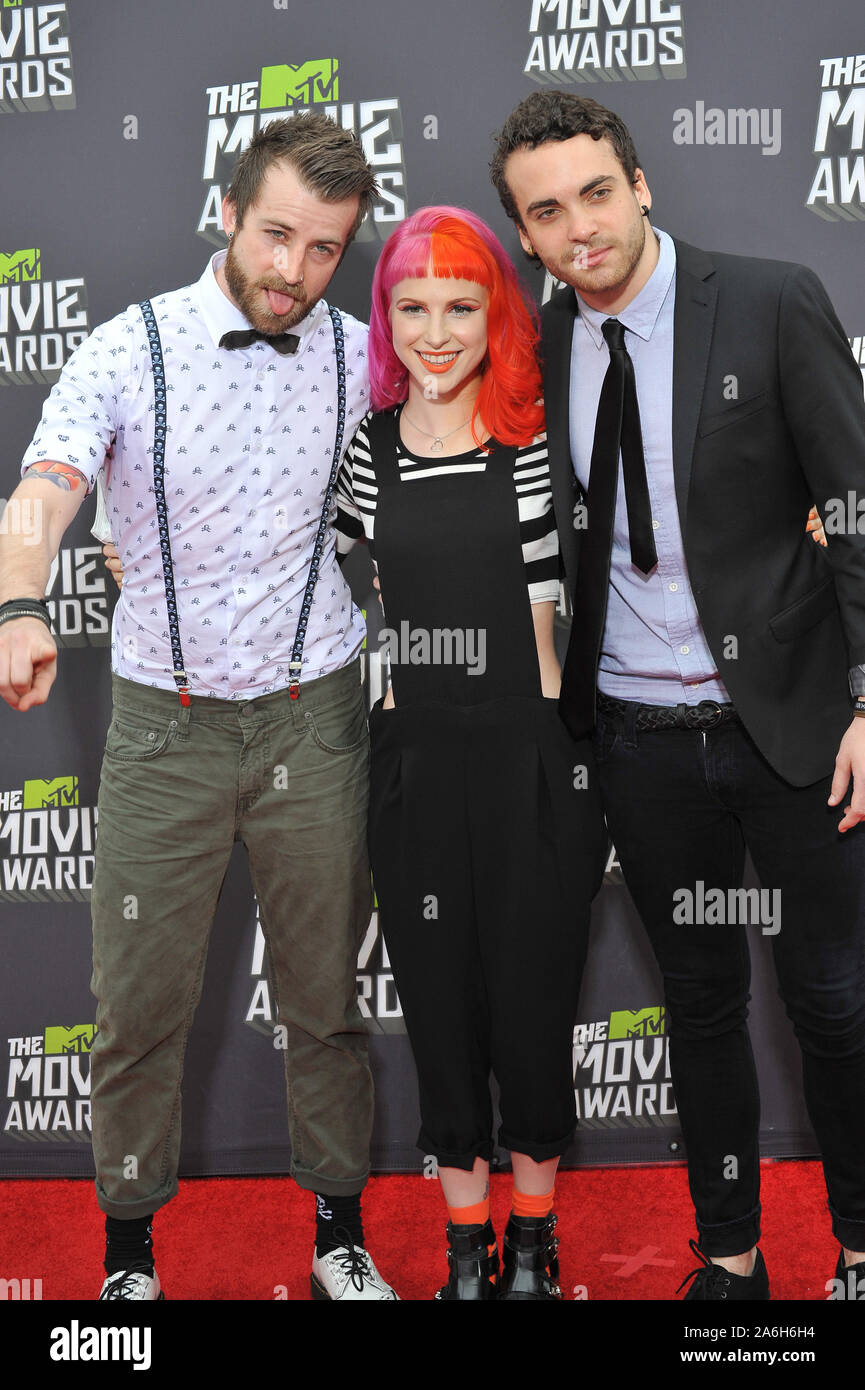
point(283, 342)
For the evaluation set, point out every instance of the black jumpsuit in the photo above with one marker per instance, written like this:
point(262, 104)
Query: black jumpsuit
point(485, 827)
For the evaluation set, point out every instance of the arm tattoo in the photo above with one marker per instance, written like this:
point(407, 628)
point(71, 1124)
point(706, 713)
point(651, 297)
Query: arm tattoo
point(62, 474)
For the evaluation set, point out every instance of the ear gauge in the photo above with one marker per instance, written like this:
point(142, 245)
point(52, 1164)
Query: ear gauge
point(645, 210)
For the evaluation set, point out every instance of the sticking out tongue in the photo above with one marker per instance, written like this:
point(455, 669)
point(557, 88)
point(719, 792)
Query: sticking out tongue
point(280, 303)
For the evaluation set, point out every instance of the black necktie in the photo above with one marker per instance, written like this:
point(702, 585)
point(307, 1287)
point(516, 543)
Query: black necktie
point(617, 428)
point(610, 435)
point(283, 342)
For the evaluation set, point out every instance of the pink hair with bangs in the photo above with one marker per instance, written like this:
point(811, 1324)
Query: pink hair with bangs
point(452, 243)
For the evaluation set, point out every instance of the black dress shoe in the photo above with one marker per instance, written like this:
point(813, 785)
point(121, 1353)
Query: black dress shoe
point(712, 1283)
point(474, 1267)
point(849, 1281)
point(531, 1266)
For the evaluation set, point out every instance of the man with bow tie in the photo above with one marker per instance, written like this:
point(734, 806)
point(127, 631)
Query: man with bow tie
point(238, 709)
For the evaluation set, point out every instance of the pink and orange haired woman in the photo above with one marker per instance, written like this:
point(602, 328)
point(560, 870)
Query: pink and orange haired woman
point(486, 834)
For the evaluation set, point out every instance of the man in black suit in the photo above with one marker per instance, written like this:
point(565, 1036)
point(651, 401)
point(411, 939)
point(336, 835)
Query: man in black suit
point(714, 647)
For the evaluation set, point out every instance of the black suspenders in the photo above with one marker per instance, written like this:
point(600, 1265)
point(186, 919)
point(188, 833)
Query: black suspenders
point(159, 438)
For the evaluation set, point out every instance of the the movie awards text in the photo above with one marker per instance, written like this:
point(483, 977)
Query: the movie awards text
point(622, 1070)
point(42, 322)
point(77, 595)
point(48, 1085)
point(35, 58)
point(46, 842)
point(236, 111)
point(838, 189)
point(604, 40)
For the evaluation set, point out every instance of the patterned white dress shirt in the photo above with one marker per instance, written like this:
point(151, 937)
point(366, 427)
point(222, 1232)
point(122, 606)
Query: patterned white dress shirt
point(250, 443)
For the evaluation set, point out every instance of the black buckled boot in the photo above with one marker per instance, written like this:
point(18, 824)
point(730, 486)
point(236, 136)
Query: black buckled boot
point(474, 1269)
point(530, 1263)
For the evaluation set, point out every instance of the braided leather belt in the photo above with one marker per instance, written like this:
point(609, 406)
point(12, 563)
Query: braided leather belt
point(706, 715)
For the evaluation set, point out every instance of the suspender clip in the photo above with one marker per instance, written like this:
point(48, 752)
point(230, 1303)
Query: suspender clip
point(182, 682)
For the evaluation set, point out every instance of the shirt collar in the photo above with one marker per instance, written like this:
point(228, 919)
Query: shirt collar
point(221, 315)
point(641, 315)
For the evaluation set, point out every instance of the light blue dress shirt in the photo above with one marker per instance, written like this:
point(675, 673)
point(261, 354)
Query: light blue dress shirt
point(653, 649)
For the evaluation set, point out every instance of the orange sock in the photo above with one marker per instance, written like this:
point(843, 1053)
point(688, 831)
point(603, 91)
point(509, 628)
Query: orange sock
point(476, 1215)
point(528, 1204)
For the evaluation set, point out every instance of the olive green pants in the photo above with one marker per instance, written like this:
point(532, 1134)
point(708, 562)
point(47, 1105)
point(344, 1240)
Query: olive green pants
point(289, 778)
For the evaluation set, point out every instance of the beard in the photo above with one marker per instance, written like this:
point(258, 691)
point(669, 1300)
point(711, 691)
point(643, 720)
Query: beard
point(614, 272)
point(247, 295)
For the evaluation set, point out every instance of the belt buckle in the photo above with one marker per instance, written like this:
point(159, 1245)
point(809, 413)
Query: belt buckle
point(713, 714)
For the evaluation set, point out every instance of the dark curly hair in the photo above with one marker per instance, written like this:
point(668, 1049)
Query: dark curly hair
point(554, 115)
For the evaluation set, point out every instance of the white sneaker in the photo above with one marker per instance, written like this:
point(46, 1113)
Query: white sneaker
point(348, 1274)
point(133, 1285)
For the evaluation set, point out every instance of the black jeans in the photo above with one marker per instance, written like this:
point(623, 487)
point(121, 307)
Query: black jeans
point(681, 807)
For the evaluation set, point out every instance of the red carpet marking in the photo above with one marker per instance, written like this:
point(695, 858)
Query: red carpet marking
point(633, 1263)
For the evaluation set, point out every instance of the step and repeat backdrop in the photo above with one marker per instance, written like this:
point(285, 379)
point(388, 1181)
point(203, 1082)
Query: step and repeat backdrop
point(119, 125)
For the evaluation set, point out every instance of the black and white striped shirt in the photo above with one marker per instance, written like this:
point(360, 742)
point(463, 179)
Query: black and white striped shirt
point(357, 494)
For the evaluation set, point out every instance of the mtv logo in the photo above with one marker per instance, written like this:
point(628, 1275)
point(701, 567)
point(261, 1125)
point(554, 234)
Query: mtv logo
point(637, 1023)
point(301, 84)
point(18, 266)
point(56, 793)
point(78, 1038)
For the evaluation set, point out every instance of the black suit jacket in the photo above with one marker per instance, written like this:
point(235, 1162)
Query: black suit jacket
point(768, 418)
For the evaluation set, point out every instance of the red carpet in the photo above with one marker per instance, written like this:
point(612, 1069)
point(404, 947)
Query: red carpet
point(624, 1234)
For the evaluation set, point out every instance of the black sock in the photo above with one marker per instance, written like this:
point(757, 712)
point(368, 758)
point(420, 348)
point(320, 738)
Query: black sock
point(336, 1217)
point(128, 1244)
